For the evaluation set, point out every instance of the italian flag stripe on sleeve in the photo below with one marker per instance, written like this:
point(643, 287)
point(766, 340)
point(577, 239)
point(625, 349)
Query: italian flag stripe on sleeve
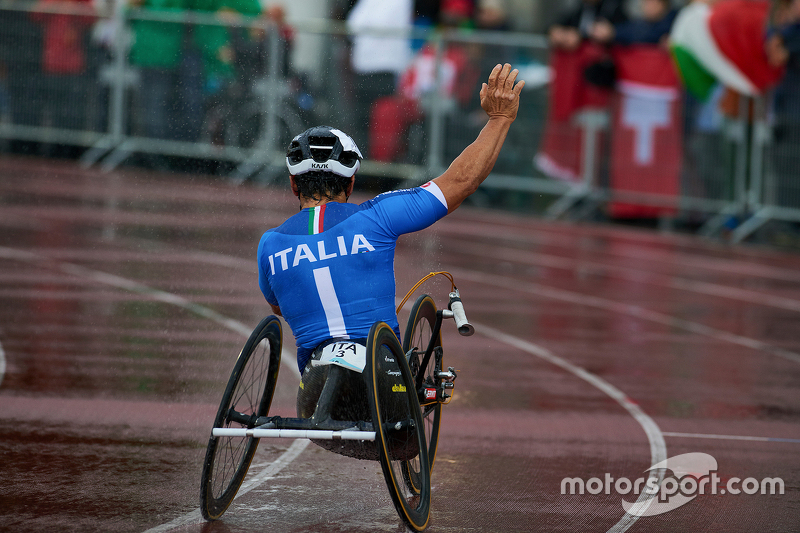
point(316, 220)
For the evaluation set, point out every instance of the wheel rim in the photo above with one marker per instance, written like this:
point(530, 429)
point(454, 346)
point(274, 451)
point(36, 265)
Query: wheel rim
point(249, 392)
point(417, 336)
point(398, 447)
point(247, 398)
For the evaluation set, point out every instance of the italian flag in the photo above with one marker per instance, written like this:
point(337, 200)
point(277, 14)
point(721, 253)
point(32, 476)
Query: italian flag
point(316, 220)
point(723, 43)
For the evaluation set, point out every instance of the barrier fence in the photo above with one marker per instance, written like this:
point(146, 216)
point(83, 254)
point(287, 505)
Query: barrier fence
point(149, 84)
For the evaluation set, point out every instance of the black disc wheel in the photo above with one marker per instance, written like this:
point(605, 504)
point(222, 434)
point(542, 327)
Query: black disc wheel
point(247, 397)
point(416, 339)
point(397, 420)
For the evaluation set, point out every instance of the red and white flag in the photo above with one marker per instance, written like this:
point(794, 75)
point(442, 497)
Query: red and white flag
point(561, 152)
point(646, 135)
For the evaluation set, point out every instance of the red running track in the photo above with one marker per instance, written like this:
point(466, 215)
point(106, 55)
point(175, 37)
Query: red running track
point(125, 298)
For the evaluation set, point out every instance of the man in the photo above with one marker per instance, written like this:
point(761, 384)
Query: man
point(328, 270)
point(377, 60)
point(576, 25)
point(652, 27)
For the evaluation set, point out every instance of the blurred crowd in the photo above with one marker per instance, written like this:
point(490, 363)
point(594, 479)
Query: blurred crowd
point(723, 52)
point(57, 63)
point(192, 81)
point(608, 22)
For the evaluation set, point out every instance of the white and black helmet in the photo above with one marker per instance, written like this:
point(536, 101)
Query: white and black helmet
point(323, 149)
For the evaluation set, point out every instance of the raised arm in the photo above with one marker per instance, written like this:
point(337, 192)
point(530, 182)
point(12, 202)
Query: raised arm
point(500, 100)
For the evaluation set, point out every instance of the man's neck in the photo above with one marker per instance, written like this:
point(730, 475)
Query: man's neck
point(314, 202)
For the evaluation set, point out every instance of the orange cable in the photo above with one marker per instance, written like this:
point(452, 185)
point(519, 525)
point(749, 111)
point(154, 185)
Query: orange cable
point(448, 275)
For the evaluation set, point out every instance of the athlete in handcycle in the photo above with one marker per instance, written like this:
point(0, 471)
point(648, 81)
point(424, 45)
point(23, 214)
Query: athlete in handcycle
point(328, 270)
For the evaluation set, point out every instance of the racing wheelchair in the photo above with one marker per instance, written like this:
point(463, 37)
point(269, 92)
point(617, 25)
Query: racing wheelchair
point(374, 399)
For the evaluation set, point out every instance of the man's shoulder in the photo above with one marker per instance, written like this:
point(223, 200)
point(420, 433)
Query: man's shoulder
point(296, 224)
point(409, 194)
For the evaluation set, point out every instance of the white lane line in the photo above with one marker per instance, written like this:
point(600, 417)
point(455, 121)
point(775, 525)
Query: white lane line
point(735, 293)
point(658, 448)
point(727, 437)
point(629, 273)
point(287, 358)
point(271, 470)
point(626, 309)
point(543, 235)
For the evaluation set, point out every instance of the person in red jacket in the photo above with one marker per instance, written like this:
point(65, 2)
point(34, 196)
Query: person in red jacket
point(64, 61)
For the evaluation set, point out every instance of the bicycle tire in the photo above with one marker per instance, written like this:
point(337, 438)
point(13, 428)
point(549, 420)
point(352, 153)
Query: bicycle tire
point(417, 335)
point(249, 392)
point(397, 420)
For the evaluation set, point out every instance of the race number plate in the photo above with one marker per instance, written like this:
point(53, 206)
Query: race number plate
point(350, 355)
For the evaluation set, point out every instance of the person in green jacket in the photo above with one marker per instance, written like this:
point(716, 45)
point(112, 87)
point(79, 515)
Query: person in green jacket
point(217, 46)
point(157, 53)
point(215, 41)
point(183, 67)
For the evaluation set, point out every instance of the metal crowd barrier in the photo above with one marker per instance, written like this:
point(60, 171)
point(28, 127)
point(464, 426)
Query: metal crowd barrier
point(736, 173)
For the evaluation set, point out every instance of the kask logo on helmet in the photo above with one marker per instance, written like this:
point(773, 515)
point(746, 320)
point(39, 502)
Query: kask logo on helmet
point(319, 166)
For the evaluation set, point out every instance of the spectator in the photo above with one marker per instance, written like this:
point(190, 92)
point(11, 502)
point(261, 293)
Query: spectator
point(574, 26)
point(492, 15)
point(783, 49)
point(426, 12)
point(252, 47)
point(9, 42)
point(426, 15)
point(583, 74)
point(215, 41)
point(393, 116)
point(458, 14)
point(157, 52)
point(377, 60)
point(652, 28)
point(64, 62)
point(646, 142)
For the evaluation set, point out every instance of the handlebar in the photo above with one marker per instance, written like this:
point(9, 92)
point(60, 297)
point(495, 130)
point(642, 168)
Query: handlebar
point(463, 325)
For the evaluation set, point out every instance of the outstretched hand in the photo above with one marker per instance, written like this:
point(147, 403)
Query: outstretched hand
point(500, 96)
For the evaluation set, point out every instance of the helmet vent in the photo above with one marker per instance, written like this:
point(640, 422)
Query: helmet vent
point(295, 153)
point(348, 159)
point(321, 147)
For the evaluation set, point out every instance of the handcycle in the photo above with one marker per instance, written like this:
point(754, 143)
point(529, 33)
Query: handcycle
point(405, 387)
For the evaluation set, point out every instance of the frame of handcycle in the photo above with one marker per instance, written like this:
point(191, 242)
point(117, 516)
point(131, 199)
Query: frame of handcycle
point(320, 426)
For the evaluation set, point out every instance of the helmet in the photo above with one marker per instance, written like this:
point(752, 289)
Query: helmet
point(323, 149)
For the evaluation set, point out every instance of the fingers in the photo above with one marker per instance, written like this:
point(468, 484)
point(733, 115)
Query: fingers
point(500, 95)
point(493, 76)
point(510, 79)
point(503, 78)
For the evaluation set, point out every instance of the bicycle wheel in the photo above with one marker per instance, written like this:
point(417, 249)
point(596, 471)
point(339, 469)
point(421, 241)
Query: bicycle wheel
point(397, 420)
point(247, 396)
point(417, 336)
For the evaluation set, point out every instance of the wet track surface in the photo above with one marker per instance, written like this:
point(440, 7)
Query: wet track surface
point(125, 298)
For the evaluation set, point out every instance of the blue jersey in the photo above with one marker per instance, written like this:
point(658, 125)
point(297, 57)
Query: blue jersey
point(330, 268)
